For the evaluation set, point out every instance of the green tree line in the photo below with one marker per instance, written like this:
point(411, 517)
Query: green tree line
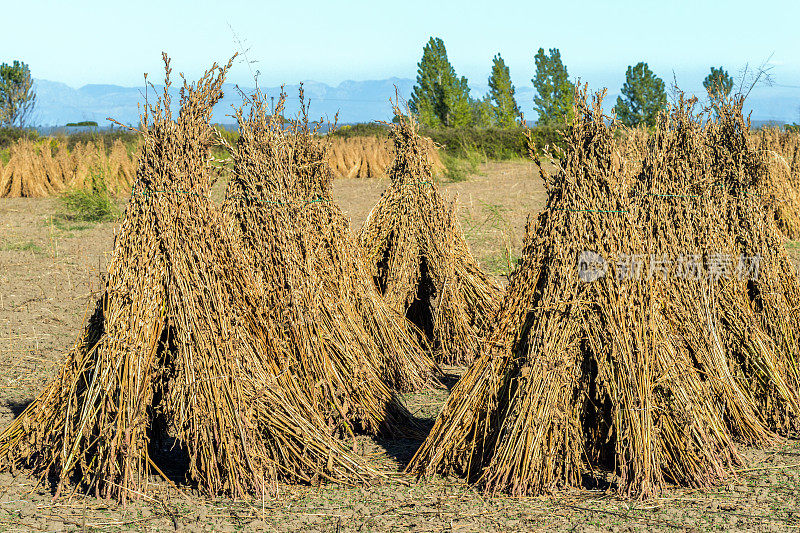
point(441, 98)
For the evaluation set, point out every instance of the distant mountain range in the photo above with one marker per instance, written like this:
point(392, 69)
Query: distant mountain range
point(355, 101)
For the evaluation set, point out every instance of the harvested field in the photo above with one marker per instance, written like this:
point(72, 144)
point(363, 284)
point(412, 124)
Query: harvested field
point(49, 278)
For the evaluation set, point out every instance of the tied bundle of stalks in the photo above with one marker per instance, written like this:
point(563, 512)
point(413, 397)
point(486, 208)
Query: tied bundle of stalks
point(780, 189)
point(687, 205)
point(32, 171)
point(369, 157)
point(419, 259)
point(737, 163)
point(342, 341)
point(581, 378)
point(89, 163)
point(175, 348)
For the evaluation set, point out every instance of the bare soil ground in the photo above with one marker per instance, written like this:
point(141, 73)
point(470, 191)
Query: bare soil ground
point(50, 274)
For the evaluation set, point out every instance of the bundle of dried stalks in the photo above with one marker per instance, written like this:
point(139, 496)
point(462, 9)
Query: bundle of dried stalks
point(370, 157)
point(341, 340)
point(690, 202)
point(47, 168)
point(32, 171)
point(89, 163)
point(177, 348)
point(781, 189)
point(419, 258)
point(743, 170)
point(582, 377)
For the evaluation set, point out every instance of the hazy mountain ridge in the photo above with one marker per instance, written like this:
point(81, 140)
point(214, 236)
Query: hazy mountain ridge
point(355, 101)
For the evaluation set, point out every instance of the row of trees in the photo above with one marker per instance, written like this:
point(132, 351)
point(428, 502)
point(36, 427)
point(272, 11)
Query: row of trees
point(441, 98)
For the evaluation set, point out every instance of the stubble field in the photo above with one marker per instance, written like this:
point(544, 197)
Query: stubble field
point(50, 275)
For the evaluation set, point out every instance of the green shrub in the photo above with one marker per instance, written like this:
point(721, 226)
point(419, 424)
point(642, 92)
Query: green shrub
point(90, 205)
point(229, 136)
point(493, 143)
point(83, 123)
point(460, 167)
point(9, 136)
point(106, 137)
point(368, 129)
point(94, 204)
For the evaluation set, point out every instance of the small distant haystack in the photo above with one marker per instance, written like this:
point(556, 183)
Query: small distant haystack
point(176, 350)
point(419, 259)
point(342, 339)
point(582, 378)
point(90, 166)
point(369, 157)
point(46, 168)
point(32, 171)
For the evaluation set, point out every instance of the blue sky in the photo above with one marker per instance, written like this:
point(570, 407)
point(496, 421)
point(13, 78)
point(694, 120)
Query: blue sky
point(91, 41)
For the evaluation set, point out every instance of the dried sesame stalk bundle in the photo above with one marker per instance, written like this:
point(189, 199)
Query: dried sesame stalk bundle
point(418, 256)
point(687, 207)
point(367, 157)
point(46, 168)
point(32, 171)
point(743, 170)
point(177, 348)
point(780, 189)
point(341, 339)
point(582, 378)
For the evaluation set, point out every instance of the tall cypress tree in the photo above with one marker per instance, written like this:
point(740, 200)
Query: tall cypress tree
point(718, 81)
point(555, 92)
point(501, 91)
point(645, 96)
point(440, 97)
point(458, 102)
